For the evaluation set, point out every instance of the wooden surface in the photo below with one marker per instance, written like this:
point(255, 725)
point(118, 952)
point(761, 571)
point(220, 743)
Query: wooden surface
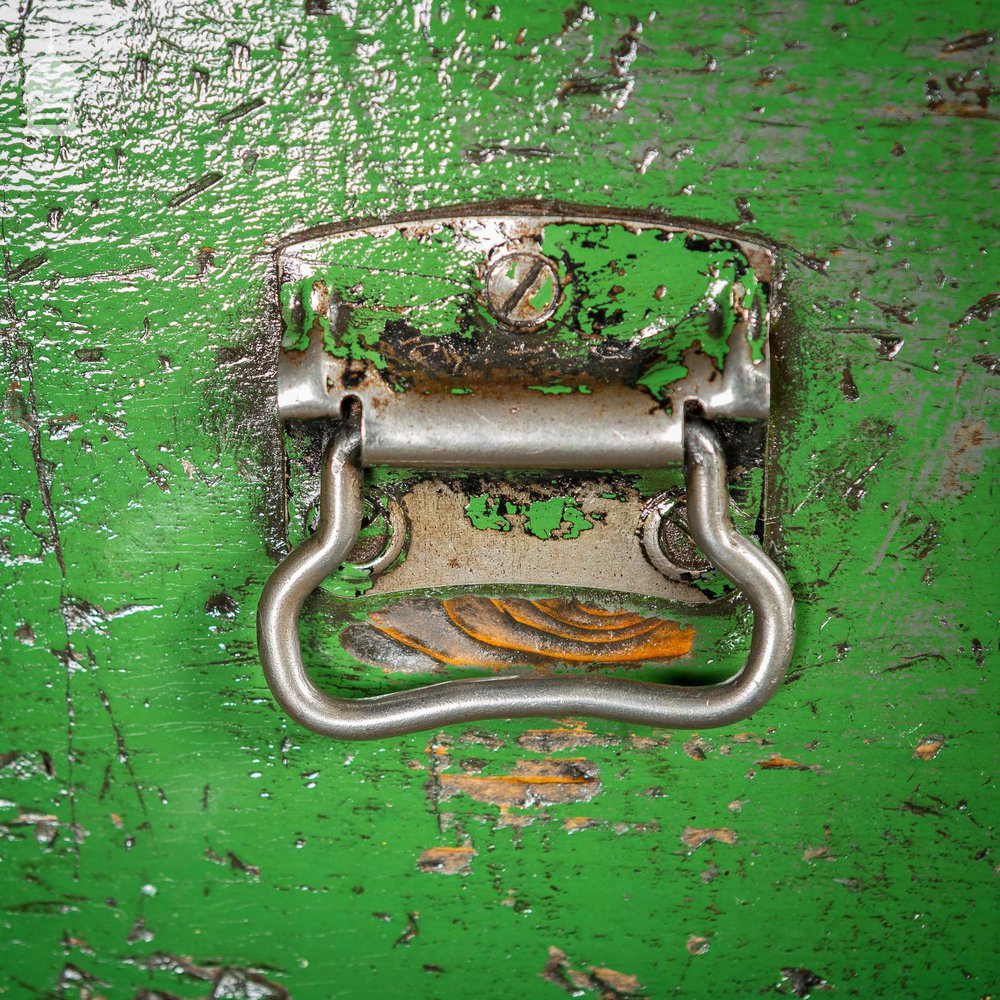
point(166, 829)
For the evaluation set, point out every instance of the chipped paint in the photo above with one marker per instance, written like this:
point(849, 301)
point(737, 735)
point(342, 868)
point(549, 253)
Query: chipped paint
point(694, 837)
point(553, 781)
point(929, 747)
point(607, 984)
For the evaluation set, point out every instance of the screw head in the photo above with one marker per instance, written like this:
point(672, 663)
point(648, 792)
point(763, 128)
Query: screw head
point(677, 544)
point(523, 289)
point(666, 543)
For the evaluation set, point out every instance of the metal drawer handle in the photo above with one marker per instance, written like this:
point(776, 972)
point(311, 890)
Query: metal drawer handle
point(468, 699)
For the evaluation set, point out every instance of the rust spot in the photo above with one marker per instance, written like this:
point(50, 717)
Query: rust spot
point(447, 860)
point(484, 632)
point(694, 837)
point(221, 606)
point(550, 781)
point(929, 747)
point(696, 748)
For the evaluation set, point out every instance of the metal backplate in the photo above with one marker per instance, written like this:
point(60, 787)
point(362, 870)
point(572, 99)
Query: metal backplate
point(522, 336)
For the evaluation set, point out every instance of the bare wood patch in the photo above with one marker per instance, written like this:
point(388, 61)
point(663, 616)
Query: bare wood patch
point(447, 860)
point(533, 782)
point(817, 854)
point(694, 836)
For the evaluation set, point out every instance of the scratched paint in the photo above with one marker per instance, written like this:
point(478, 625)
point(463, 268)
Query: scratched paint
point(165, 829)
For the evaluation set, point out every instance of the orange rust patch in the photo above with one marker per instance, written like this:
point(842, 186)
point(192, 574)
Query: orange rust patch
point(778, 763)
point(575, 613)
point(487, 632)
point(494, 624)
point(447, 860)
point(929, 747)
point(602, 629)
point(694, 837)
point(534, 782)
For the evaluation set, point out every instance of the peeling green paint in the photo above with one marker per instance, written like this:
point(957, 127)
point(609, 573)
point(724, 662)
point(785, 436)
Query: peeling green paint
point(557, 517)
point(487, 514)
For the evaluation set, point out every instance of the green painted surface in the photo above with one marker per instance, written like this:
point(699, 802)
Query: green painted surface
point(166, 829)
point(542, 518)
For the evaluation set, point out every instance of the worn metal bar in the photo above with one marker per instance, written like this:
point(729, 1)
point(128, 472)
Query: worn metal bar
point(468, 699)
